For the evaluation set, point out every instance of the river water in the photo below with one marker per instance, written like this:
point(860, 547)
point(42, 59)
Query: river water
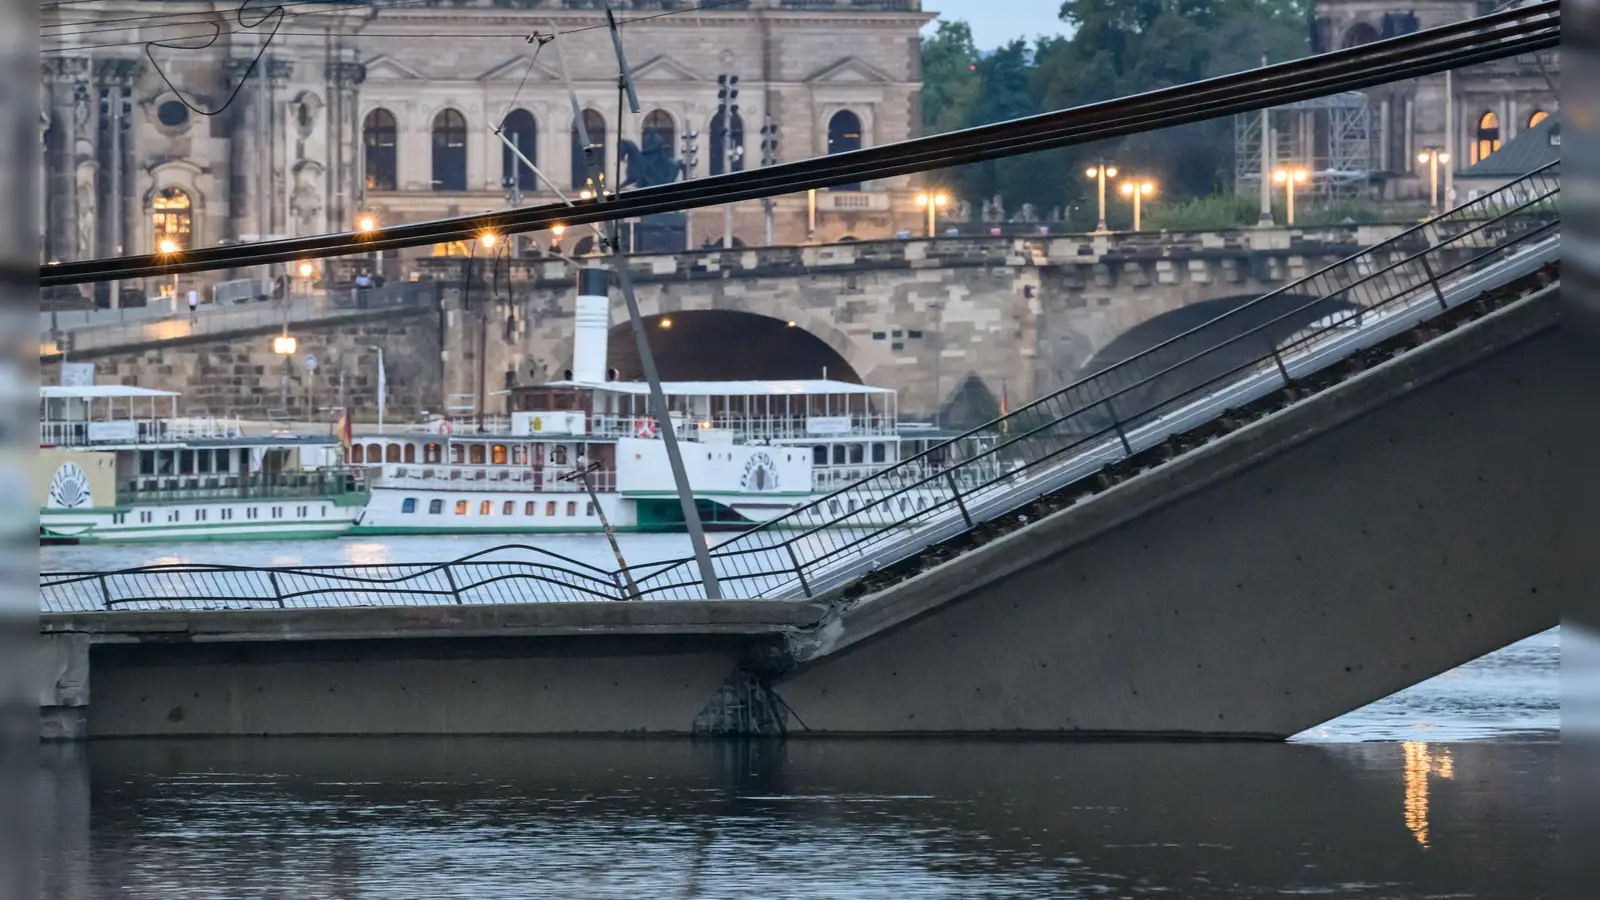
point(1444, 790)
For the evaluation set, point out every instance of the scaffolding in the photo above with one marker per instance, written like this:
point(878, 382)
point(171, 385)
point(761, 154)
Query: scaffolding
point(1336, 137)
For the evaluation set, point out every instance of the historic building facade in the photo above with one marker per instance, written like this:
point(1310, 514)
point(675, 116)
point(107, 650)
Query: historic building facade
point(389, 110)
point(1488, 104)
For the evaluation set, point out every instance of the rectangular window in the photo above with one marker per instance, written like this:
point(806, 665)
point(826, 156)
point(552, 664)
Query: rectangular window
point(408, 505)
point(435, 507)
point(498, 454)
point(879, 453)
point(914, 334)
point(461, 507)
point(485, 508)
point(550, 508)
point(878, 335)
point(590, 510)
point(572, 508)
point(508, 509)
point(224, 461)
point(528, 508)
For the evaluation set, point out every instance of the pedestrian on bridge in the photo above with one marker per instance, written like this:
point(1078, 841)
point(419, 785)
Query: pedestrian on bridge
point(194, 306)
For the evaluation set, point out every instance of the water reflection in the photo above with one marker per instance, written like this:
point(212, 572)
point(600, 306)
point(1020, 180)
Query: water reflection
point(514, 818)
point(1421, 762)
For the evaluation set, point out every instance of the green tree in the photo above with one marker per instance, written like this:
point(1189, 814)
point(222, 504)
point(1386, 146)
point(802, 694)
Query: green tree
point(1118, 48)
point(950, 82)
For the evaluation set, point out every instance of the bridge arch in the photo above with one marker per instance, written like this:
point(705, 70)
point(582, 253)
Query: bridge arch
point(695, 342)
point(1171, 324)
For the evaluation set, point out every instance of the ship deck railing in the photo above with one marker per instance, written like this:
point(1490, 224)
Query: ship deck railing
point(321, 483)
point(435, 476)
point(84, 433)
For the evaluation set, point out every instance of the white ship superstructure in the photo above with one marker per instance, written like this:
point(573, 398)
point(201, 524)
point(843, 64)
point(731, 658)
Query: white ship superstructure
point(119, 463)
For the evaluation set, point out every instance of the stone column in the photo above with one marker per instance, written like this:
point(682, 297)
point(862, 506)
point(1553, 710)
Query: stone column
point(244, 181)
point(66, 79)
point(116, 76)
point(345, 189)
point(275, 140)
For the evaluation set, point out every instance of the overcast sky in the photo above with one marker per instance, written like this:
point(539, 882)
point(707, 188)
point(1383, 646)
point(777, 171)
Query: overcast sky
point(994, 22)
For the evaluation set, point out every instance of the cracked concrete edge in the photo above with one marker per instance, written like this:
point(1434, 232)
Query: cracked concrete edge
point(849, 622)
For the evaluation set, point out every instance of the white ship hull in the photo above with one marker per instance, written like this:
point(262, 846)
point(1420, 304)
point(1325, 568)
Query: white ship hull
point(218, 521)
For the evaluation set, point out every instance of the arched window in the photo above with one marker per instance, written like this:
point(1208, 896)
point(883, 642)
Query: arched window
point(1360, 33)
point(844, 135)
point(584, 247)
point(519, 128)
point(356, 454)
point(659, 125)
point(449, 151)
point(432, 453)
point(719, 139)
point(411, 453)
point(378, 136)
point(171, 218)
point(1488, 136)
point(374, 454)
point(477, 454)
point(392, 453)
point(1538, 116)
point(595, 124)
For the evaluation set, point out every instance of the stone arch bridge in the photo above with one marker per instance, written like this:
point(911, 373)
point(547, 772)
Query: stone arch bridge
point(928, 318)
point(950, 323)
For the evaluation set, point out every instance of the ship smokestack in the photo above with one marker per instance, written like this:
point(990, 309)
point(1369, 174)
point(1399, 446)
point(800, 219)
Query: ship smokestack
point(591, 324)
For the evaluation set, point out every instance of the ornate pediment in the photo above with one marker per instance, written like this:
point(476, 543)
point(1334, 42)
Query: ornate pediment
point(387, 68)
point(850, 70)
point(515, 68)
point(663, 69)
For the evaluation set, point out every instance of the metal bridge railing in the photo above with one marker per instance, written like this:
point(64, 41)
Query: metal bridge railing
point(1118, 411)
point(1042, 447)
point(482, 578)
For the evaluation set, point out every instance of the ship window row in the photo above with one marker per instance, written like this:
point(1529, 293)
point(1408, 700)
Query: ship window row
point(187, 462)
point(474, 454)
point(203, 514)
point(845, 454)
point(552, 508)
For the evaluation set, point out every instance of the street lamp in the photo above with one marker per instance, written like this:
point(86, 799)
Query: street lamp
point(284, 346)
point(366, 226)
point(1433, 156)
point(1100, 173)
point(932, 202)
point(1289, 178)
point(1138, 190)
point(487, 239)
point(169, 247)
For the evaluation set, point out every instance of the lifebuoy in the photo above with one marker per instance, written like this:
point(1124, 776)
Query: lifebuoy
point(645, 428)
point(444, 426)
